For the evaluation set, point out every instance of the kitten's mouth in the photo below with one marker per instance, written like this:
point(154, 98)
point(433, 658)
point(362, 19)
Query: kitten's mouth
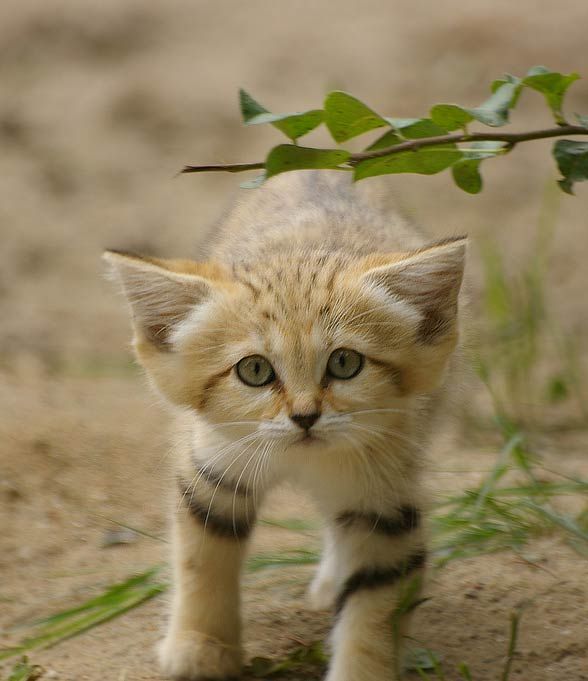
point(308, 439)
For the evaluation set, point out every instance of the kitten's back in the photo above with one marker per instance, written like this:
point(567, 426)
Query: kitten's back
point(314, 210)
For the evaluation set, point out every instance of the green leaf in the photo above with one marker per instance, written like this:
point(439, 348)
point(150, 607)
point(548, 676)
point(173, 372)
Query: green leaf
point(406, 129)
point(287, 157)
point(427, 161)
point(416, 128)
point(553, 86)
point(494, 111)
point(557, 389)
point(249, 107)
point(347, 117)
point(400, 123)
point(508, 78)
point(582, 120)
point(450, 116)
point(466, 172)
point(297, 125)
point(388, 139)
point(572, 161)
point(466, 175)
point(293, 125)
point(419, 658)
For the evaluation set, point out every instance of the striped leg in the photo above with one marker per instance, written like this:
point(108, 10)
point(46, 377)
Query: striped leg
point(212, 522)
point(377, 558)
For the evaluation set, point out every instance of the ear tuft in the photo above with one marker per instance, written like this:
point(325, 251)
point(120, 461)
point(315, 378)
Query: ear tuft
point(159, 298)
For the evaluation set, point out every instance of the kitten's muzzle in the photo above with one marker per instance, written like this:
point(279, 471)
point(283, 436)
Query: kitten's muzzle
point(305, 421)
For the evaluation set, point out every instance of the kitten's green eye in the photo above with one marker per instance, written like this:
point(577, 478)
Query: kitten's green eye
point(344, 363)
point(255, 371)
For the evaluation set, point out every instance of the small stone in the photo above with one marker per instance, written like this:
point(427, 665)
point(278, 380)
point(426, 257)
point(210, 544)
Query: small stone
point(118, 536)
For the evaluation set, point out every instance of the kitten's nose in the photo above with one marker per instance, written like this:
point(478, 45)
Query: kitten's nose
point(305, 421)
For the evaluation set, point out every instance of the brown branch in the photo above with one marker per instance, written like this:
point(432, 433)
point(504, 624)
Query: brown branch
point(510, 138)
point(229, 168)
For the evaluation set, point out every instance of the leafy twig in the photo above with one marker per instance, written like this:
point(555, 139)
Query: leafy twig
point(510, 139)
point(417, 145)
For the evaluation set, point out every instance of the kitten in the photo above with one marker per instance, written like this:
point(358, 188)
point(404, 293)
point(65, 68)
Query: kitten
point(311, 347)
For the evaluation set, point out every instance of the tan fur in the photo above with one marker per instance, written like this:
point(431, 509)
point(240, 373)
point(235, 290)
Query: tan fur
point(304, 266)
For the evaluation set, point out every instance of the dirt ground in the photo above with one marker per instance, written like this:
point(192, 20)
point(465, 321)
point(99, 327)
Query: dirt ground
point(101, 104)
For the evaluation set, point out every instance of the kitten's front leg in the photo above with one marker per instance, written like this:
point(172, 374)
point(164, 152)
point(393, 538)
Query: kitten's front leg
point(327, 581)
point(381, 555)
point(210, 532)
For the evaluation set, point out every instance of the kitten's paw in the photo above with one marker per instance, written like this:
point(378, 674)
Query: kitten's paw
point(322, 593)
point(192, 656)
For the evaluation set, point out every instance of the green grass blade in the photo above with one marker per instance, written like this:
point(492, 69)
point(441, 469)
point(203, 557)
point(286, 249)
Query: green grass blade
point(23, 671)
point(293, 557)
point(115, 601)
point(136, 530)
point(113, 594)
point(464, 671)
point(565, 522)
point(294, 524)
point(498, 472)
point(512, 644)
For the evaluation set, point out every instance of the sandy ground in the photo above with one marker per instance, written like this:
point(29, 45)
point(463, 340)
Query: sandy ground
point(101, 104)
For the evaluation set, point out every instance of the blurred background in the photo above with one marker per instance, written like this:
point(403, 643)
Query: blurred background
point(102, 104)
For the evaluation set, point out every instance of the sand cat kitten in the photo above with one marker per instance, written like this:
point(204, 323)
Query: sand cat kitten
point(309, 348)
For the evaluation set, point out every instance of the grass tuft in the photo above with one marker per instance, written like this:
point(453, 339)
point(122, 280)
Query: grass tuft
point(527, 362)
point(498, 516)
point(300, 658)
point(115, 601)
point(23, 671)
point(426, 661)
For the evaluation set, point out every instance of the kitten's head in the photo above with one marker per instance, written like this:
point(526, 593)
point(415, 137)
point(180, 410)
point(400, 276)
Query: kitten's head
point(311, 348)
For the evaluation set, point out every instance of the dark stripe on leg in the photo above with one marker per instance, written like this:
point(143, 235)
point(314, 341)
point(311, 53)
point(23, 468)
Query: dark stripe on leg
point(375, 577)
point(408, 519)
point(237, 528)
point(219, 479)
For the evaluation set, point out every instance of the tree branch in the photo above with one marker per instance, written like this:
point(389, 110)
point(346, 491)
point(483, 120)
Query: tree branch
point(228, 168)
point(511, 139)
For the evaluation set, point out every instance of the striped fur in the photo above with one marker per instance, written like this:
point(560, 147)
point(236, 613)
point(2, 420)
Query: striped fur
point(220, 480)
point(375, 577)
point(408, 518)
point(217, 523)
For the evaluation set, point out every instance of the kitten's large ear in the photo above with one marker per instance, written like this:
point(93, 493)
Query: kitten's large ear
point(429, 279)
point(159, 297)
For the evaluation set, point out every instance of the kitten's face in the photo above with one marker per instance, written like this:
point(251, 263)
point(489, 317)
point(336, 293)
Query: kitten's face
point(306, 352)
